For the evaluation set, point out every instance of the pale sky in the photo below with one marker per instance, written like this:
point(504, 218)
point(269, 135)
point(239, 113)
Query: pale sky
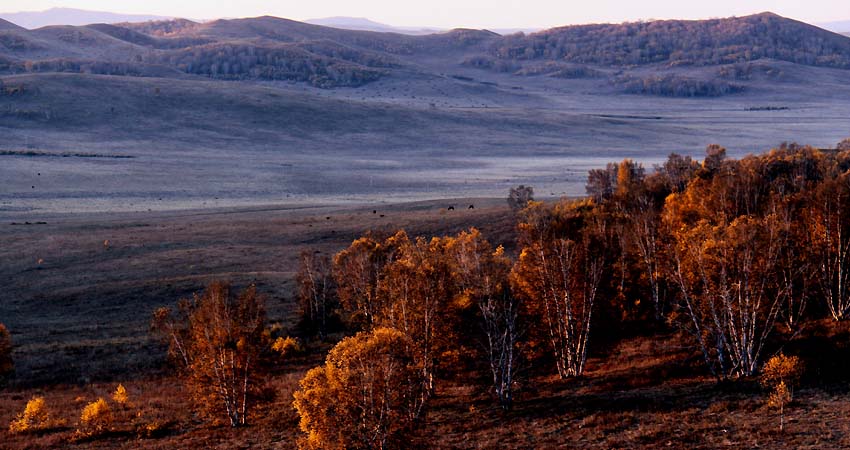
point(459, 13)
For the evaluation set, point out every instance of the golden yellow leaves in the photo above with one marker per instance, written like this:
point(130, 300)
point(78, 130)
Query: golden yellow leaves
point(34, 418)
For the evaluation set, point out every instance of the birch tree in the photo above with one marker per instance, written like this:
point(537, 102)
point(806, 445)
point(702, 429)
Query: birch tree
point(483, 278)
point(220, 345)
point(828, 223)
point(559, 271)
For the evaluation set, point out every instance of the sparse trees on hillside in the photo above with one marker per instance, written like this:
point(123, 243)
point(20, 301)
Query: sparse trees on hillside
point(219, 339)
point(316, 291)
point(367, 395)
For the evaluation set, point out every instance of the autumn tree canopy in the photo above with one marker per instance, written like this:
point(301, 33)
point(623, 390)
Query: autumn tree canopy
point(367, 395)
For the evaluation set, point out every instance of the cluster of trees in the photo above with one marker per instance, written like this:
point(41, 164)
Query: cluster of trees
point(733, 250)
point(730, 251)
point(125, 68)
point(706, 42)
point(671, 85)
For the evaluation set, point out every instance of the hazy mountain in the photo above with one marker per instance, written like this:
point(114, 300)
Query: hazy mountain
point(364, 24)
point(69, 16)
point(839, 26)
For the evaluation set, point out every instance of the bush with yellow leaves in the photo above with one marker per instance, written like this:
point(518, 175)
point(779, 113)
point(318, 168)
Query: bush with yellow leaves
point(95, 419)
point(120, 396)
point(368, 394)
point(287, 346)
point(34, 418)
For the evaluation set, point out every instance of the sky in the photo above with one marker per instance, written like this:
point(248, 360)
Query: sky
point(459, 13)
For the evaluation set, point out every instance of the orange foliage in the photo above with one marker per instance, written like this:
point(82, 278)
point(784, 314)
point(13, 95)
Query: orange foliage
point(367, 394)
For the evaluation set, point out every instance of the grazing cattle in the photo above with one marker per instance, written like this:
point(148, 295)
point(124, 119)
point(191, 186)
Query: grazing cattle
point(451, 208)
point(471, 207)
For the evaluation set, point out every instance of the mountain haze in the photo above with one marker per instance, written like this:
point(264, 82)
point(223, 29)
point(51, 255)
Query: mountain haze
point(70, 16)
point(364, 24)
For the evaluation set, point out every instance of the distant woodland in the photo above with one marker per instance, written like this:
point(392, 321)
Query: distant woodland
point(680, 42)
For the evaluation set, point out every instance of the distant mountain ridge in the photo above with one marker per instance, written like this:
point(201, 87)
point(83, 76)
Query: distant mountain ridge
point(71, 16)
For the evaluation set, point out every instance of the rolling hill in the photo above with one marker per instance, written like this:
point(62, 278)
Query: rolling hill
point(271, 48)
point(680, 42)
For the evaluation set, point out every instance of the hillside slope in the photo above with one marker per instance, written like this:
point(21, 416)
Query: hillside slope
point(271, 48)
point(681, 42)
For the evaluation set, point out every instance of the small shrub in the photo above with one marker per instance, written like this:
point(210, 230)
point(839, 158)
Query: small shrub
point(120, 396)
point(96, 418)
point(287, 346)
point(34, 418)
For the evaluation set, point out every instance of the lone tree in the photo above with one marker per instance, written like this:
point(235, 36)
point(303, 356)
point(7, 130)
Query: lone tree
point(519, 196)
point(218, 339)
point(6, 364)
point(780, 374)
point(365, 396)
